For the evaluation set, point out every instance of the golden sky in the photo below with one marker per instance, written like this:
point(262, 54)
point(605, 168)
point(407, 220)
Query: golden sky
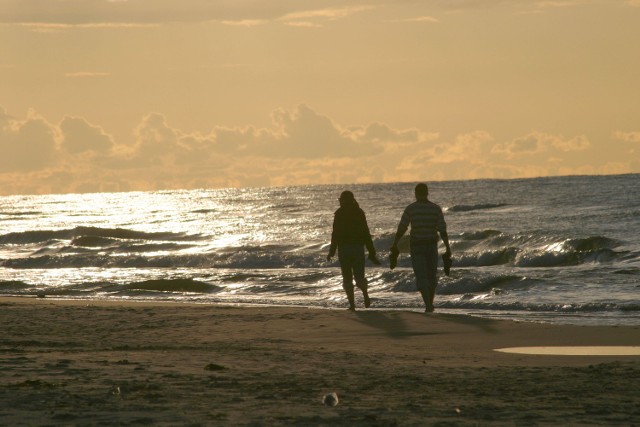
point(115, 95)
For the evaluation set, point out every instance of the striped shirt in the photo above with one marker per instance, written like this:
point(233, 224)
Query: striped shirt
point(426, 220)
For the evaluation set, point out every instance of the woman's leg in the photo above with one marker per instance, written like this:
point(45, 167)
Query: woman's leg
point(358, 273)
point(346, 266)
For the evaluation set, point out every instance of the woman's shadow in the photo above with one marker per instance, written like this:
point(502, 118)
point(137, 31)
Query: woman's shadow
point(391, 324)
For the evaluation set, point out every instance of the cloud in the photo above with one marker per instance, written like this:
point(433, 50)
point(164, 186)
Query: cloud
point(419, 19)
point(245, 22)
point(310, 18)
point(303, 24)
point(331, 13)
point(80, 136)
point(539, 142)
point(627, 136)
point(90, 14)
point(47, 27)
point(83, 74)
point(305, 133)
point(28, 144)
point(468, 147)
point(383, 133)
point(300, 146)
point(157, 142)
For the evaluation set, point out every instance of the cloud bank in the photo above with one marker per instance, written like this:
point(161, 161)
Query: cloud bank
point(300, 147)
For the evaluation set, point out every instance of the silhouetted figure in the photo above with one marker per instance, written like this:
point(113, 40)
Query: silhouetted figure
point(350, 236)
point(427, 221)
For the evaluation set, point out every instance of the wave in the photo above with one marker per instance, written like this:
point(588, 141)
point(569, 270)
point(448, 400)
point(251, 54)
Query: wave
point(173, 285)
point(25, 213)
point(480, 304)
point(591, 243)
point(481, 206)
point(241, 259)
point(93, 241)
point(404, 281)
point(135, 257)
point(485, 258)
point(13, 286)
point(479, 235)
point(38, 236)
point(467, 285)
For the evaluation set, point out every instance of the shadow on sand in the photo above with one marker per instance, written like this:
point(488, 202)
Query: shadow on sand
point(391, 324)
point(394, 325)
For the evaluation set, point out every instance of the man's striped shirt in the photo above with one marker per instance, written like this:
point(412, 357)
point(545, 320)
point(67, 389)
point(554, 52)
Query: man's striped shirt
point(426, 220)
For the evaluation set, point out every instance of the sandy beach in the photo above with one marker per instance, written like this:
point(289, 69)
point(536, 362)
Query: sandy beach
point(106, 363)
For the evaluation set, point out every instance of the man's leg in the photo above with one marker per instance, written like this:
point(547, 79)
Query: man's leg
point(419, 264)
point(431, 260)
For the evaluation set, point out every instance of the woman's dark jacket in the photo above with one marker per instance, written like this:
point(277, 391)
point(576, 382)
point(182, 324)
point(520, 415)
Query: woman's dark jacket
point(350, 227)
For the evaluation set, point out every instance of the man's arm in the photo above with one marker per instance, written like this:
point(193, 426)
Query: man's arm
point(445, 240)
point(442, 230)
point(402, 228)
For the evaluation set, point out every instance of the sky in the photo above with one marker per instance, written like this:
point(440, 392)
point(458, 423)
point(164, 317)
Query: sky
point(123, 95)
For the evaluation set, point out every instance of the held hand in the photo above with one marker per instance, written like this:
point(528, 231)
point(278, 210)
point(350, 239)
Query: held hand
point(393, 256)
point(374, 259)
point(329, 257)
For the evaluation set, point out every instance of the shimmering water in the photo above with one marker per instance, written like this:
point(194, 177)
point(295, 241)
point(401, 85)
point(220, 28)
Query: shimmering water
point(564, 250)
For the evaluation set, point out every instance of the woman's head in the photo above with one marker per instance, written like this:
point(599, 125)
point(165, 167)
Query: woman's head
point(347, 198)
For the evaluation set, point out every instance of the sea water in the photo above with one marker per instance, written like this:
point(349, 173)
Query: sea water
point(561, 250)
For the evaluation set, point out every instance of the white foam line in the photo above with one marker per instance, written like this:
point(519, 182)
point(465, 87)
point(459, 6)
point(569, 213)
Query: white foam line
point(575, 350)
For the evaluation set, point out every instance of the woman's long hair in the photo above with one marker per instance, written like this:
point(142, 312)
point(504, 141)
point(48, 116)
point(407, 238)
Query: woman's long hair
point(347, 198)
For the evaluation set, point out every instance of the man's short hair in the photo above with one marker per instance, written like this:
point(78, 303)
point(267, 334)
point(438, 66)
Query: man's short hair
point(422, 190)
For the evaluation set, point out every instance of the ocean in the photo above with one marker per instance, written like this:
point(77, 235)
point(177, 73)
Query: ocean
point(559, 250)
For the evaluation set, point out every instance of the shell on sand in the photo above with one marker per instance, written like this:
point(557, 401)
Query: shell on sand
point(330, 399)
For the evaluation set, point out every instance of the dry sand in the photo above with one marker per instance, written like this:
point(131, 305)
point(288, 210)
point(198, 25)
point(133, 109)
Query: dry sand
point(106, 363)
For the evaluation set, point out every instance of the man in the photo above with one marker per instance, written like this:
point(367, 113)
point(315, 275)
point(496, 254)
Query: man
point(427, 221)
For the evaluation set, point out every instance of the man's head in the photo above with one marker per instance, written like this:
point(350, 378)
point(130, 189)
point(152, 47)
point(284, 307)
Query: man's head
point(422, 191)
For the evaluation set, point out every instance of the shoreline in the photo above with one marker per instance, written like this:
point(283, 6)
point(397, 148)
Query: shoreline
point(137, 362)
point(542, 317)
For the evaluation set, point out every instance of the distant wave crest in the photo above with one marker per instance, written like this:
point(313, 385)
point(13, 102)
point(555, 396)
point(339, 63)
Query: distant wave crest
point(37, 236)
point(480, 206)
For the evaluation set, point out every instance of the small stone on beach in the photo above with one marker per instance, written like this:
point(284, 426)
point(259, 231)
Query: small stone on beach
point(214, 367)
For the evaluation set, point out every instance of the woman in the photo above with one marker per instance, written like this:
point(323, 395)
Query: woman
point(350, 235)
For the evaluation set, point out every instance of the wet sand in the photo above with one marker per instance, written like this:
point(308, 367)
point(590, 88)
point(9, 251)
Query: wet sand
point(106, 363)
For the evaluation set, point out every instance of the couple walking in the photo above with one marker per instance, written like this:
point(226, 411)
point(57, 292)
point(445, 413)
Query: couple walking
point(351, 235)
